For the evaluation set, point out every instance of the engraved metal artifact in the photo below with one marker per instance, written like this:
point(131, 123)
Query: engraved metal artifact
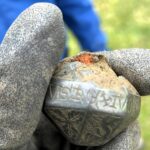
point(88, 102)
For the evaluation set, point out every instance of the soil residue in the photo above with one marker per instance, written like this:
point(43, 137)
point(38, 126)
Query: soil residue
point(94, 69)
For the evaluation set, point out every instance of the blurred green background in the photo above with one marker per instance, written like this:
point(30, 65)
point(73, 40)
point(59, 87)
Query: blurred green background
point(127, 25)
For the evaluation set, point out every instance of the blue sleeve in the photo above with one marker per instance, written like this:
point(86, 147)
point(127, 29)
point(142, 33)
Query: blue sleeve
point(81, 18)
point(10, 9)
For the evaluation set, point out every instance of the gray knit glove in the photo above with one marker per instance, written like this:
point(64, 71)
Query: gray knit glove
point(134, 64)
point(28, 54)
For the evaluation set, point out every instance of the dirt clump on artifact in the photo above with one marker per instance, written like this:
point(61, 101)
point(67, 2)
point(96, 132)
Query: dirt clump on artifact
point(94, 68)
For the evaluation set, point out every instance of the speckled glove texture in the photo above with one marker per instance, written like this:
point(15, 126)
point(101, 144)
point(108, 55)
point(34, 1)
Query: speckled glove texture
point(134, 64)
point(28, 55)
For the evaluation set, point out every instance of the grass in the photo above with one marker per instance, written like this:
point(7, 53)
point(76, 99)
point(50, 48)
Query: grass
point(145, 122)
point(127, 24)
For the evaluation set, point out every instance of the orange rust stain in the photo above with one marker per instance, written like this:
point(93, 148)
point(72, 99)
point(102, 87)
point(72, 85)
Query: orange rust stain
point(84, 58)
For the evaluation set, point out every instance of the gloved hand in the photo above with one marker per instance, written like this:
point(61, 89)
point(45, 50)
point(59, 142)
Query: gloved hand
point(134, 64)
point(29, 52)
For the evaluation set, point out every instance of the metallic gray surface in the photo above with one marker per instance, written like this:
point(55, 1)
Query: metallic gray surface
point(28, 55)
point(87, 114)
point(49, 138)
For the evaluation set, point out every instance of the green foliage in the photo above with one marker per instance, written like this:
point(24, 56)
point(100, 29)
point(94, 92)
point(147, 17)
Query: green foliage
point(145, 121)
point(127, 25)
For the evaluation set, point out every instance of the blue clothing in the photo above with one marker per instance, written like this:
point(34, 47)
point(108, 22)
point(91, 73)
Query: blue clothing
point(78, 15)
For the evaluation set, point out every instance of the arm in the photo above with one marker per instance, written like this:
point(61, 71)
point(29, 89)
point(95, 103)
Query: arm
point(84, 22)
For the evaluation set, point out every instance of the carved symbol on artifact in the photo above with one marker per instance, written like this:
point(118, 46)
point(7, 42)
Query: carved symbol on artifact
point(122, 101)
point(94, 94)
point(68, 120)
point(103, 99)
point(71, 92)
point(94, 129)
point(64, 92)
point(118, 101)
point(111, 100)
point(91, 96)
point(59, 92)
point(97, 98)
point(110, 124)
point(77, 93)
